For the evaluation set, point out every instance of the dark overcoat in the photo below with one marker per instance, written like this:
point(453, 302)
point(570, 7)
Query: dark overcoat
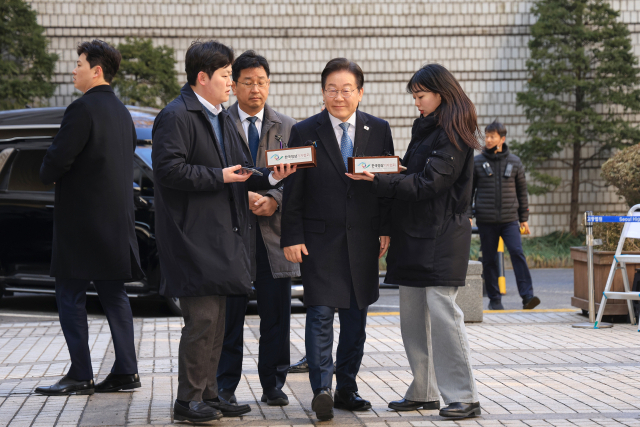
point(431, 232)
point(338, 219)
point(91, 162)
point(202, 224)
point(500, 199)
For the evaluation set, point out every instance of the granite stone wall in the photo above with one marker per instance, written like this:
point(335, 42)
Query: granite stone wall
point(484, 43)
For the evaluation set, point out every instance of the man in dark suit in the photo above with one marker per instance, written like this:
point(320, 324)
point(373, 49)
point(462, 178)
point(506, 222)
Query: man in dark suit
point(202, 221)
point(337, 228)
point(94, 239)
point(261, 128)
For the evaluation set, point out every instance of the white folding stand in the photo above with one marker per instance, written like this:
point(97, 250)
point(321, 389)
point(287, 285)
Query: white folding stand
point(631, 230)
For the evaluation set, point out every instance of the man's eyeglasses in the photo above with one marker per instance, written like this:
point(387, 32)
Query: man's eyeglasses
point(249, 85)
point(346, 93)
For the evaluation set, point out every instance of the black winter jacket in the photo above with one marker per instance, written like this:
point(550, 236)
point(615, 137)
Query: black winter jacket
point(430, 229)
point(500, 199)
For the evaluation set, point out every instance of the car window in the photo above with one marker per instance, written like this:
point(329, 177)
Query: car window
point(145, 154)
point(143, 181)
point(25, 172)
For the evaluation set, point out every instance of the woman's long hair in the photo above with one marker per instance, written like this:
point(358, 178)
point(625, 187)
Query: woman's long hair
point(456, 111)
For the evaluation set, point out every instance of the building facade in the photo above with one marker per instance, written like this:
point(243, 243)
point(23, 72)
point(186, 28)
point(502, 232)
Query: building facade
point(484, 44)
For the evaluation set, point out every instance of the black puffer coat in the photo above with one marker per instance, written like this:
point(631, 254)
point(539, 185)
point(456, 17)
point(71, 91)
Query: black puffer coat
point(431, 233)
point(500, 199)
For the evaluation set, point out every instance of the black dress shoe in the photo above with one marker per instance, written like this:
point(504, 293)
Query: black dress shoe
point(410, 405)
point(228, 409)
point(115, 382)
point(351, 401)
point(274, 397)
point(299, 367)
point(530, 302)
point(196, 412)
point(67, 386)
point(461, 410)
point(322, 404)
point(496, 305)
point(227, 395)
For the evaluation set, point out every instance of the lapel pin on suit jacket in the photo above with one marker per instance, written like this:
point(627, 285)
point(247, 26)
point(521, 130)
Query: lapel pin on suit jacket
point(366, 128)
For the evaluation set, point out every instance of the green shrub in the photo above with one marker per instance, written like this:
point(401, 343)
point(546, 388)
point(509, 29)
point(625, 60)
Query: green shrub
point(623, 172)
point(550, 251)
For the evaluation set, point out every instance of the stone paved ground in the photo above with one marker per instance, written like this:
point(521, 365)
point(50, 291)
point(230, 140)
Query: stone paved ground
point(532, 369)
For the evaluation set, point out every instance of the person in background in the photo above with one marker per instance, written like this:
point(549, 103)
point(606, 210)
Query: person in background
point(94, 238)
point(501, 210)
point(261, 128)
point(430, 242)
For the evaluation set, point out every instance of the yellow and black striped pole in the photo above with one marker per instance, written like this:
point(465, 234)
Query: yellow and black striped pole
point(502, 281)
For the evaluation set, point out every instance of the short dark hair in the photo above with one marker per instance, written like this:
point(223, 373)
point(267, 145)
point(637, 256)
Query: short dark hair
point(207, 56)
point(248, 59)
point(102, 54)
point(343, 64)
point(496, 126)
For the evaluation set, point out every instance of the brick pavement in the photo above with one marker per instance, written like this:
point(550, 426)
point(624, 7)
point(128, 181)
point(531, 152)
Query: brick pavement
point(532, 369)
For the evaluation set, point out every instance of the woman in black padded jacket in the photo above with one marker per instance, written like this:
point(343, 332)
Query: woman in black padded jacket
point(430, 240)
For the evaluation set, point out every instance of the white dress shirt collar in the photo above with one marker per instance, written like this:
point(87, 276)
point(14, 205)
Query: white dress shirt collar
point(215, 109)
point(335, 122)
point(243, 116)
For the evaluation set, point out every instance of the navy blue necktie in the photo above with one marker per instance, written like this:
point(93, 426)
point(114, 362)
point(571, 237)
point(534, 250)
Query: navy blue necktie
point(254, 138)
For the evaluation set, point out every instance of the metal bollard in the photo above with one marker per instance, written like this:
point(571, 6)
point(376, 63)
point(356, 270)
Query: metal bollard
point(592, 299)
point(502, 281)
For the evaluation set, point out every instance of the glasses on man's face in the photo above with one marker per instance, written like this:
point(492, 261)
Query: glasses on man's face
point(250, 85)
point(332, 93)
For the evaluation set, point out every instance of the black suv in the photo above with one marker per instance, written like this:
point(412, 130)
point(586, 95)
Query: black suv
point(26, 205)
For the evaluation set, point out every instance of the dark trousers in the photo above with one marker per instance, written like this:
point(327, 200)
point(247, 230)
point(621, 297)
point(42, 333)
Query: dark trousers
point(71, 296)
point(319, 345)
point(200, 347)
point(274, 308)
point(489, 237)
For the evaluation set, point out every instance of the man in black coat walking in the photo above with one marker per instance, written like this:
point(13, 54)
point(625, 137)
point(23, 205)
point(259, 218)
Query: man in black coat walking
point(501, 210)
point(202, 221)
point(337, 229)
point(91, 162)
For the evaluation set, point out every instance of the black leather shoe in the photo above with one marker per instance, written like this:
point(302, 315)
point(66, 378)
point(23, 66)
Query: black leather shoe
point(196, 412)
point(228, 409)
point(410, 405)
point(227, 395)
point(496, 305)
point(530, 302)
point(351, 401)
point(274, 397)
point(322, 404)
point(67, 386)
point(115, 382)
point(299, 367)
point(461, 410)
